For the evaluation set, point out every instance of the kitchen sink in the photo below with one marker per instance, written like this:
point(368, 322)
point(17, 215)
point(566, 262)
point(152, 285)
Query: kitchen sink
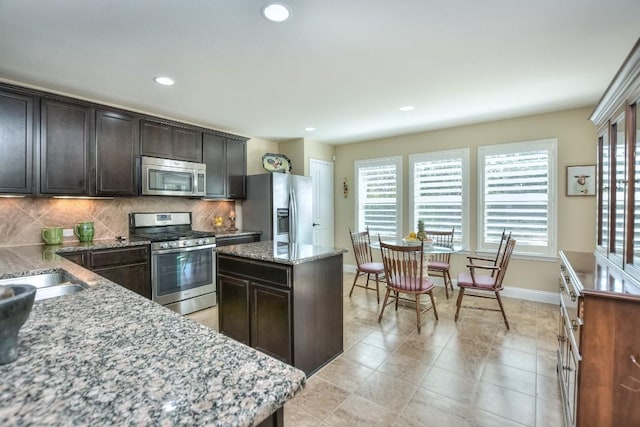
point(49, 285)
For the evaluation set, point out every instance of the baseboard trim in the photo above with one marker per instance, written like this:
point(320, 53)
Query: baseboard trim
point(509, 291)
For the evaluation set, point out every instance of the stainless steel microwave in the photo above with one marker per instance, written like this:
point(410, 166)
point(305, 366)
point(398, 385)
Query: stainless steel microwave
point(165, 177)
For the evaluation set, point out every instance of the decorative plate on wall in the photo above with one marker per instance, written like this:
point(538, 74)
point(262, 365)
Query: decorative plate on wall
point(272, 162)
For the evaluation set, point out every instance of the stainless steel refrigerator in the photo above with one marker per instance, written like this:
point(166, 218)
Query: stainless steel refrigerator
point(279, 205)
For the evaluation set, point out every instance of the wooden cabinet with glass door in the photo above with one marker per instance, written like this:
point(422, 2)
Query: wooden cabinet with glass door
point(618, 214)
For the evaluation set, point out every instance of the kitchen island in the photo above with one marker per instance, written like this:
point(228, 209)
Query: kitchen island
point(284, 299)
point(107, 356)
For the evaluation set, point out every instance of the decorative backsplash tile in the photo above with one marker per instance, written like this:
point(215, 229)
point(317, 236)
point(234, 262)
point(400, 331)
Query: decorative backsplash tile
point(23, 219)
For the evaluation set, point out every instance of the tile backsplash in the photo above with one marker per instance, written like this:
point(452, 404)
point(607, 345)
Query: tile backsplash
point(23, 219)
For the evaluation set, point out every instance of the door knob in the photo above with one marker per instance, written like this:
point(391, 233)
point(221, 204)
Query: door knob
point(314, 224)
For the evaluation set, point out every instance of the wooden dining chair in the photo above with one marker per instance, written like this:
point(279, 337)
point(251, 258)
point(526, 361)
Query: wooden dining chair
point(364, 262)
point(405, 273)
point(489, 282)
point(440, 263)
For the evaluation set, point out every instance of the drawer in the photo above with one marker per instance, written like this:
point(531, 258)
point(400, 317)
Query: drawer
point(258, 271)
point(121, 256)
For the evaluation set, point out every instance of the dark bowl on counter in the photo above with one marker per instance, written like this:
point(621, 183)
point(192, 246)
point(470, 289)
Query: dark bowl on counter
point(14, 311)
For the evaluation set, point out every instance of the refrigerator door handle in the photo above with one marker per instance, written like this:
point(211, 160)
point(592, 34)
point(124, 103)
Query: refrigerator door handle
point(293, 216)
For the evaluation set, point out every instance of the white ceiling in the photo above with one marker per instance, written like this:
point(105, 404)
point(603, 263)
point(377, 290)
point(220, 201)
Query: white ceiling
point(342, 66)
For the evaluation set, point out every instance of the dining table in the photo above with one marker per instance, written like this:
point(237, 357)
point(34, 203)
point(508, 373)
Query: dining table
point(427, 249)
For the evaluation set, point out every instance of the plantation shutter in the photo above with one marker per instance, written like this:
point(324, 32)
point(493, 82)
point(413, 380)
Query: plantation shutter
point(378, 197)
point(438, 194)
point(517, 193)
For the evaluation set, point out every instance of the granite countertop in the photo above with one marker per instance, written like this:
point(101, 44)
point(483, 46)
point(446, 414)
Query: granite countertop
point(281, 252)
point(108, 356)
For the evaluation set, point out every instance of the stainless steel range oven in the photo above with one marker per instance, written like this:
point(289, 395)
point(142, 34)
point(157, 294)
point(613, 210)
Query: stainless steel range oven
point(183, 261)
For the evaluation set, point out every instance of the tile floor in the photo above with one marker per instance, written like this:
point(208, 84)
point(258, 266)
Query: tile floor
point(470, 373)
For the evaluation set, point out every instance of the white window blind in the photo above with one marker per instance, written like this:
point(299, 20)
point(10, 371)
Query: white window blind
point(439, 191)
point(517, 193)
point(379, 196)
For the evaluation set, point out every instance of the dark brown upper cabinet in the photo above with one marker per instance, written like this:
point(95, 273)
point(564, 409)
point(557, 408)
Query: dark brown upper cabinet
point(65, 141)
point(170, 142)
point(226, 161)
point(117, 154)
point(16, 141)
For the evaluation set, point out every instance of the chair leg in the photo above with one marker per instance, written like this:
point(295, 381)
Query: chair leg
point(448, 280)
point(377, 288)
point(459, 302)
point(366, 285)
point(446, 285)
point(355, 279)
point(384, 304)
point(418, 310)
point(397, 298)
point(504, 315)
point(433, 304)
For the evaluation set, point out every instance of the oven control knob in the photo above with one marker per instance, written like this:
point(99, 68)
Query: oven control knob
point(173, 244)
point(202, 241)
point(164, 245)
point(188, 243)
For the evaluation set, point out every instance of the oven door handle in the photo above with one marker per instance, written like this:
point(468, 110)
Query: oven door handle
point(187, 249)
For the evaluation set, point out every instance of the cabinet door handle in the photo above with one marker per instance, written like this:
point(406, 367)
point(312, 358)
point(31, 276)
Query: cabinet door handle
point(633, 360)
point(573, 295)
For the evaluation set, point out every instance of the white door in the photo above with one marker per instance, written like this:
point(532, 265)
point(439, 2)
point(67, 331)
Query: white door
point(322, 177)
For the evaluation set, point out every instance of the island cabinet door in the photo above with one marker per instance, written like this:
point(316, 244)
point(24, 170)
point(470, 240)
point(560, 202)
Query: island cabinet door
point(233, 308)
point(271, 321)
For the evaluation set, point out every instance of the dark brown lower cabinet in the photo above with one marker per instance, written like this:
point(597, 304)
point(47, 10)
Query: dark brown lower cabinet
point(129, 266)
point(290, 312)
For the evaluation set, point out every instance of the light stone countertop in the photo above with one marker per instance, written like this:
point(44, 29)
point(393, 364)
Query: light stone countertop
point(280, 252)
point(107, 356)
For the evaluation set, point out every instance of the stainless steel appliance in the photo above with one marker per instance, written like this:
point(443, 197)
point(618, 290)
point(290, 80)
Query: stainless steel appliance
point(183, 260)
point(279, 205)
point(165, 177)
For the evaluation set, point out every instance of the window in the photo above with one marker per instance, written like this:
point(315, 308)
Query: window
point(379, 196)
point(517, 192)
point(439, 192)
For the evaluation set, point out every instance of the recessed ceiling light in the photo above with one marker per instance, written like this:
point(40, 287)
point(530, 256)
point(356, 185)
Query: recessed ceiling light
point(276, 12)
point(309, 129)
point(164, 81)
point(407, 108)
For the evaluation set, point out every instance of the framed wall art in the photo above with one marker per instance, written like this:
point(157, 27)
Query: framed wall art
point(581, 180)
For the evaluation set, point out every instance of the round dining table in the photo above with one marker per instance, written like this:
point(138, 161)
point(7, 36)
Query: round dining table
point(427, 249)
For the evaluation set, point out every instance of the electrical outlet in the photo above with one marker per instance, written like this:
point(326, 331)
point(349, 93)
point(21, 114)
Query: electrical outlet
point(67, 232)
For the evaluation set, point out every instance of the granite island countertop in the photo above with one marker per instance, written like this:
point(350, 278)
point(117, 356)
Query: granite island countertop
point(281, 252)
point(108, 356)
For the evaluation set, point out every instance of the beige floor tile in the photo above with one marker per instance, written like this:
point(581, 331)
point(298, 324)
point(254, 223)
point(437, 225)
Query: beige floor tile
point(474, 347)
point(507, 403)
point(387, 391)
point(547, 388)
point(387, 341)
point(514, 358)
point(509, 377)
point(459, 362)
point(419, 351)
point(549, 413)
point(345, 373)
point(357, 411)
point(207, 317)
point(547, 362)
point(367, 355)
point(480, 418)
point(294, 416)
point(319, 398)
point(451, 384)
point(435, 410)
point(510, 339)
point(404, 368)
